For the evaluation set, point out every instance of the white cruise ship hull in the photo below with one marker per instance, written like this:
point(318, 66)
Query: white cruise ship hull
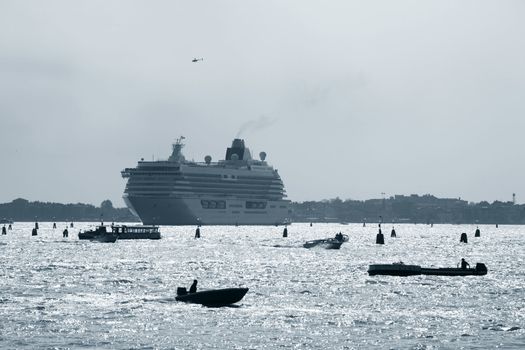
point(206, 211)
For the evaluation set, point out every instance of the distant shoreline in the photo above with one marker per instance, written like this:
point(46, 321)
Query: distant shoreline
point(399, 209)
point(426, 209)
point(21, 210)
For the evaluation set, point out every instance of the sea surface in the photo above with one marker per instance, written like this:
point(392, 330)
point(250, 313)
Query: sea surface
point(62, 293)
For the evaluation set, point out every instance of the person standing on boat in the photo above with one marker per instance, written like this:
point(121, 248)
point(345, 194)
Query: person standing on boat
point(193, 288)
point(65, 233)
point(464, 264)
point(4, 232)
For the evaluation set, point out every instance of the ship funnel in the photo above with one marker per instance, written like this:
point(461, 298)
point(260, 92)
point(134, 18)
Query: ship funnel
point(238, 143)
point(238, 149)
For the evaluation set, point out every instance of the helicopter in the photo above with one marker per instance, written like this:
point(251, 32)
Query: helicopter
point(197, 59)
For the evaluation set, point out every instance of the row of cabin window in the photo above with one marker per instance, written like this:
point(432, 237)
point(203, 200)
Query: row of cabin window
point(211, 204)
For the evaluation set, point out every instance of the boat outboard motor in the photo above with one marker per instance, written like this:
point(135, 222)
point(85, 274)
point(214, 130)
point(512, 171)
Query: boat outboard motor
point(181, 291)
point(285, 232)
point(393, 233)
point(480, 267)
point(463, 238)
point(380, 238)
point(478, 233)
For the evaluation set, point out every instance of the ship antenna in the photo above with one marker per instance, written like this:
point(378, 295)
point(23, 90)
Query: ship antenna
point(176, 155)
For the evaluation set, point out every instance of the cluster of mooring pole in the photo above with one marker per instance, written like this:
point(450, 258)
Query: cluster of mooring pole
point(34, 231)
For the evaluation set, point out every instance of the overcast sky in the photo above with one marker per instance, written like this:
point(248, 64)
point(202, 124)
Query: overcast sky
point(347, 98)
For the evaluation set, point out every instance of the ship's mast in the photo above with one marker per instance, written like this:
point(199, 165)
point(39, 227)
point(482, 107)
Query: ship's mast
point(176, 154)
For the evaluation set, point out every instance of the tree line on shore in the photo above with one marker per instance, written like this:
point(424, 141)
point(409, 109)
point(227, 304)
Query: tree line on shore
point(399, 208)
point(410, 209)
point(24, 210)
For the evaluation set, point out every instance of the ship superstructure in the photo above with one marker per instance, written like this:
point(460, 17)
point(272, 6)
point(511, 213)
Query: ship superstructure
point(238, 190)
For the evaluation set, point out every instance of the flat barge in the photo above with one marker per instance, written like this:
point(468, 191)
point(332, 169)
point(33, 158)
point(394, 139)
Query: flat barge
point(399, 269)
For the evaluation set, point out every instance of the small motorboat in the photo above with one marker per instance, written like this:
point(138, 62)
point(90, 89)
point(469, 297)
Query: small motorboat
point(212, 297)
point(400, 269)
point(328, 243)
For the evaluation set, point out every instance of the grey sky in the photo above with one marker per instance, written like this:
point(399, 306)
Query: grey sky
point(347, 98)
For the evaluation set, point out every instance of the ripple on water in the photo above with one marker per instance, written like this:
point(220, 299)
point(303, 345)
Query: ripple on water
point(70, 294)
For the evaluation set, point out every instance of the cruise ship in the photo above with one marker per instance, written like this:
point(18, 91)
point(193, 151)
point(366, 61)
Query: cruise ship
point(238, 190)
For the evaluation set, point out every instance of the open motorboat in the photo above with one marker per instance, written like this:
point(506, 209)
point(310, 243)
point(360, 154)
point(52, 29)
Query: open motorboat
point(400, 269)
point(327, 243)
point(212, 297)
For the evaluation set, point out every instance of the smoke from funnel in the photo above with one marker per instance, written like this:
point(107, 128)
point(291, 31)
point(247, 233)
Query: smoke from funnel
point(255, 125)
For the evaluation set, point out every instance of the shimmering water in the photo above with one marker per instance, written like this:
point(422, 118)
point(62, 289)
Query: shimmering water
point(66, 293)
